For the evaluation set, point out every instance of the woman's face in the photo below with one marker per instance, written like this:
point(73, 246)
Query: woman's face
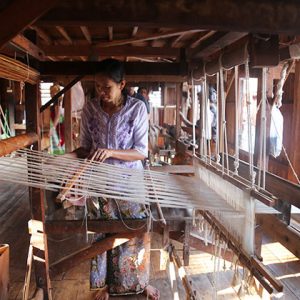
point(108, 90)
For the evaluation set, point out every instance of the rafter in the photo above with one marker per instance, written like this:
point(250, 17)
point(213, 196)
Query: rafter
point(147, 38)
point(90, 68)
point(282, 16)
point(202, 37)
point(27, 46)
point(22, 16)
point(42, 34)
point(64, 33)
point(86, 50)
point(177, 39)
point(214, 43)
point(86, 33)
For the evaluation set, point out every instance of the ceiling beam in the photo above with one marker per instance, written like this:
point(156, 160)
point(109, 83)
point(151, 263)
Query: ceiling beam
point(146, 38)
point(86, 33)
point(26, 45)
point(19, 14)
point(64, 33)
point(201, 38)
point(42, 34)
point(265, 16)
point(90, 68)
point(214, 43)
point(177, 39)
point(88, 50)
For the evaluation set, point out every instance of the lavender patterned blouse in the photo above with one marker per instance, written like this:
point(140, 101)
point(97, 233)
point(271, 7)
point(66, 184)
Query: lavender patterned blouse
point(126, 129)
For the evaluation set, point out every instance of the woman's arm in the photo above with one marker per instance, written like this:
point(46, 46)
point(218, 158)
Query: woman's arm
point(126, 155)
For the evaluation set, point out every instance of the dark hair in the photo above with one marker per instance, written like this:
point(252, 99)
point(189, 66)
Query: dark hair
point(142, 88)
point(112, 68)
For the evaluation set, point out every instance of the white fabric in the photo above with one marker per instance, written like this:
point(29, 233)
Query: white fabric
point(295, 51)
point(78, 99)
point(276, 131)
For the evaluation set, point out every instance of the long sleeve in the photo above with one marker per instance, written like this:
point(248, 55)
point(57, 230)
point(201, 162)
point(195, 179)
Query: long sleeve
point(85, 136)
point(140, 135)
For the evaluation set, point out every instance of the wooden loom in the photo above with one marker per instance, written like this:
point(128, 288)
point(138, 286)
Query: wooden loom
point(174, 228)
point(122, 234)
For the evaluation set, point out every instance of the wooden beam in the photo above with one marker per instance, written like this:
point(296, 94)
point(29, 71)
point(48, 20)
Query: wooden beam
point(86, 50)
point(68, 121)
point(87, 253)
point(215, 42)
point(178, 108)
point(91, 68)
point(110, 226)
point(264, 50)
point(177, 39)
point(228, 15)
point(27, 46)
point(42, 34)
point(201, 38)
point(64, 33)
point(37, 196)
point(146, 38)
point(104, 226)
point(279, 187)
point(19, 14)
point(282, 233)
point(186, 242)
point(175, 169)
point(86, 33)
point(295, 133)
point(110, 33)
point(9, 145)
point(129, 78)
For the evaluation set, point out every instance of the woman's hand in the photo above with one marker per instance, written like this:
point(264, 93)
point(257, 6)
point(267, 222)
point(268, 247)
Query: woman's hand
point(102, 154)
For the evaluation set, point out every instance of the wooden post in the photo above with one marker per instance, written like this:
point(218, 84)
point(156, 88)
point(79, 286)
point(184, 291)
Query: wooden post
point(37, 196)
point(295, 132)
point(178, 108)
point(186, 243)
point(257, 161)
point(68, 122)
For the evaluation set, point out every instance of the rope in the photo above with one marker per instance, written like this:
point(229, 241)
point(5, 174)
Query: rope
point(237, 119)
point(218, 125)
point(224, 130)
point(250, 148)
point(263, 132)
point(193, 116)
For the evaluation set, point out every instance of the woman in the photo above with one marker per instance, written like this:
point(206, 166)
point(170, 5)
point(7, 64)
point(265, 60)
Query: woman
point(115, 127)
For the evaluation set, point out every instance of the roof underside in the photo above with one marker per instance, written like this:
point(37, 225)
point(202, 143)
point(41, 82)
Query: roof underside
point(153, 31)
